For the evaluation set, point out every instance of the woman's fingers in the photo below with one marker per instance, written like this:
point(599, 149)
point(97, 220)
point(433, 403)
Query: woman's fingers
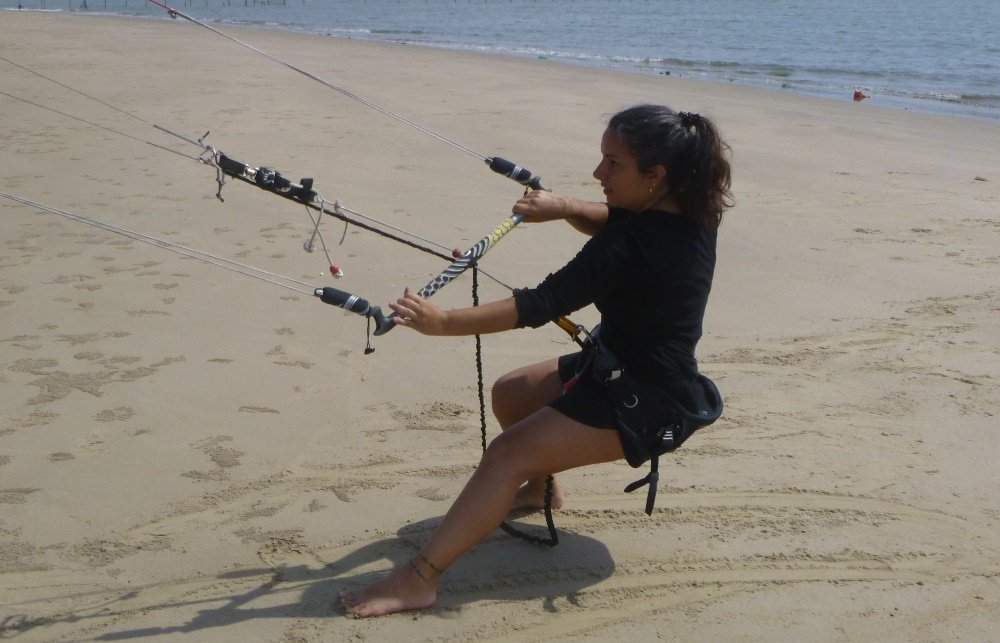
point(540, 205)
point(406, 307)
point(416, 312)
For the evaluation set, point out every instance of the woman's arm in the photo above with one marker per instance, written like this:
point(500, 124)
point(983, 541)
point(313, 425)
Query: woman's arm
point(418, 313)
point(425, 317)
point(586, 216)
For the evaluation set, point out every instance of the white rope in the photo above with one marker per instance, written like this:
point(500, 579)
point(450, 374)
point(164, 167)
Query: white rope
point(97, 125)
point(214, 260)
point(97, 100)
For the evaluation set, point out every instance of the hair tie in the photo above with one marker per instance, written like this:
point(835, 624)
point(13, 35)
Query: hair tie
point(689, 118)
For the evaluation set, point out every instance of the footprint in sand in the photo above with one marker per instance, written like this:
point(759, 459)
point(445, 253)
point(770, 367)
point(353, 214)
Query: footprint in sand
point(116, 414)
point(22, 341)
point(437, 416)
point(147, 313)
point(257, 409)
point(36, 418)
point(15, 496)
point(55, 385)
point(222, 457)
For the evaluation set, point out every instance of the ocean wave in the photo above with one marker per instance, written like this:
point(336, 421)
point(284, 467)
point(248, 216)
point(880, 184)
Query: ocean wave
point(397, 32)
point(984, 99)
point(246, 23)
point(344, 30)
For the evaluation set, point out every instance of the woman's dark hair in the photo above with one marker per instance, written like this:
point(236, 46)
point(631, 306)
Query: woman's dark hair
point(689, 147)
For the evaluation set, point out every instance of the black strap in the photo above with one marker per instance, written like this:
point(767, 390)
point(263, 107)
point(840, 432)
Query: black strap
point(652, 478)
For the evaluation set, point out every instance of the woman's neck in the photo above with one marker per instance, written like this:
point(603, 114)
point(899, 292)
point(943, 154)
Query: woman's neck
point(667, 204)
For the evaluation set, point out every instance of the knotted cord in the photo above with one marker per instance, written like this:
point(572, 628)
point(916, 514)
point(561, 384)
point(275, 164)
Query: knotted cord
point(553, 538)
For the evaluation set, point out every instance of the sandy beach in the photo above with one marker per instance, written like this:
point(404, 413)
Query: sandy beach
point(190, 453)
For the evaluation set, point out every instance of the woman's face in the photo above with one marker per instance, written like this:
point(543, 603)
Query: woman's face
point(618, 172)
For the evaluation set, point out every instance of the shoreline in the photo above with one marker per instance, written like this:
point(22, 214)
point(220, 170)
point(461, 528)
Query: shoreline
point(186, 451)
point(940, 107)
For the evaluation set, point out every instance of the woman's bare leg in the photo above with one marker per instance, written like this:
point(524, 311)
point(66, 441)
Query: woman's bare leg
point(544, 442)
point(517, 395)
point(523, 391)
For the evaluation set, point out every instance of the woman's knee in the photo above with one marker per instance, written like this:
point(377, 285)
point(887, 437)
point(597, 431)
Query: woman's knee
point(521, 392)
point(506, 453)
point(549, 442)
point(504, 398)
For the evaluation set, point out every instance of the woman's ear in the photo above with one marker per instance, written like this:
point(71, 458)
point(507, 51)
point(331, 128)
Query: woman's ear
point(657, 173)
point(657, 176)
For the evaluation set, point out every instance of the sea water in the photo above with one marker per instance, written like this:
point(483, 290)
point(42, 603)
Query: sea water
point(922, 55)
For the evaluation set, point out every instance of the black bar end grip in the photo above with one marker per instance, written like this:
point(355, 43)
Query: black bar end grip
point(358, 305)
point(344, 300)
point(515, 172)
point(383, 324)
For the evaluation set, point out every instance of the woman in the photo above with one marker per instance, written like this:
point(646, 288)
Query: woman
point(648, 269)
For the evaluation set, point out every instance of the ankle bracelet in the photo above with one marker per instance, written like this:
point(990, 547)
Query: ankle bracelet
point(433, 567)
point(416, 569)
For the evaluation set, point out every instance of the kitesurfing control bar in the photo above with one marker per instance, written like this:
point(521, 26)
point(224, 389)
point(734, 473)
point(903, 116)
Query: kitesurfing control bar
point(303, 192)
point(384, 324)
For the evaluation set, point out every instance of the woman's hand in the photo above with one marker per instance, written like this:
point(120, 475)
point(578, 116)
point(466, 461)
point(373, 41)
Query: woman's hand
point(424, 317)
point(418, 313)
point(539, 205)
point(585, 216)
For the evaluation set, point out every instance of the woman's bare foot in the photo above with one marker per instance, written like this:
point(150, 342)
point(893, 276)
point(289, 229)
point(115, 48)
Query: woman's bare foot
point(531, 495)
point(408, 587)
